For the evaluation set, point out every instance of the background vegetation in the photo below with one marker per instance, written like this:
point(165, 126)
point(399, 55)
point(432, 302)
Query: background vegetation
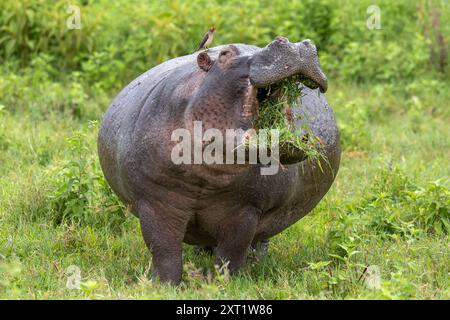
point(390, 204)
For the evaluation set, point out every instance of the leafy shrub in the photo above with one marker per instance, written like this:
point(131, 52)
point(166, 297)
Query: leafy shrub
point(353, 122)
point(34, 90)
point(4, 143)
point(378, 61)
point(39, 26)
point(112, 48)
point(395, 207)
point(97, 69)
point(401, 207)
point(432, 207)
point(80, 193)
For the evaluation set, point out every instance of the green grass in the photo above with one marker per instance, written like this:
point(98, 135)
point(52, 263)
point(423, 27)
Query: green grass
point(371, 216)
point(275, 112)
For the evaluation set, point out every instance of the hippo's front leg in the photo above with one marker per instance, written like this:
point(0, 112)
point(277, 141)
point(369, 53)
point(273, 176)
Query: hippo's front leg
point(235, 236)
point(163, 234)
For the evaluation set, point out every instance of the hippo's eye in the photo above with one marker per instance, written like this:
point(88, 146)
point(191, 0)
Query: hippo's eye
point(225, 55)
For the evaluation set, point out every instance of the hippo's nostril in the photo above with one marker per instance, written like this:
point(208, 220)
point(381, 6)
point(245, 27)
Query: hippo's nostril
point(281, 39)
point(306, 42)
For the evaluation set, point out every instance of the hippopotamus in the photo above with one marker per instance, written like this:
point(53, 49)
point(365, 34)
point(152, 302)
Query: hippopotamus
point(226, 206)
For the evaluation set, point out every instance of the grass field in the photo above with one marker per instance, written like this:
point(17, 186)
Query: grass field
point(386, 217)
point(371, 216)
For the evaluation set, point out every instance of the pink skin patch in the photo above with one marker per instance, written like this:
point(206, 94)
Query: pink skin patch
point(250, 106)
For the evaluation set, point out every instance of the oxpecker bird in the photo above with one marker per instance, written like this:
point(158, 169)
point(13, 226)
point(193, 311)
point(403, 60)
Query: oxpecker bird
point(207, 39)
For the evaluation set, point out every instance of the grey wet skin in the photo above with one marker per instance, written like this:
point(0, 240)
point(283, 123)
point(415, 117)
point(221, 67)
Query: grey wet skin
point(224, 206)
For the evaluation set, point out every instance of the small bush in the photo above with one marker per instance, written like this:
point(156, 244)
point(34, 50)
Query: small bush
point(34, 91)
point(353, 122)
point(112, 48)
point(80, 193)
point(395, 207)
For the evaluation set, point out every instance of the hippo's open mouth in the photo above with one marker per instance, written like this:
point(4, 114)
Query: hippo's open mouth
point(298, 79)
point(276, 100)
point(290, 87)
point(276, 103)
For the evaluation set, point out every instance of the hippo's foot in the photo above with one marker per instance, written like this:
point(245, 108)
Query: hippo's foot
point(164, 239)
point(259, 249)
point(235, 237)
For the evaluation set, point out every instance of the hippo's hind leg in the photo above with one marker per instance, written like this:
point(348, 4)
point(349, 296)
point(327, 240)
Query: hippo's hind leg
point(235, 236)
point(163, 234)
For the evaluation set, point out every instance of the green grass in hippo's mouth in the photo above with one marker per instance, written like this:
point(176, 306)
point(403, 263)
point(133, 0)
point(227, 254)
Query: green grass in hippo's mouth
point(276, 103)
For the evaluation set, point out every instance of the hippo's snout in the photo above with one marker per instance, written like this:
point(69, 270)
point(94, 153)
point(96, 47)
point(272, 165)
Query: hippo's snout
point(281, 59)
point(310, 66)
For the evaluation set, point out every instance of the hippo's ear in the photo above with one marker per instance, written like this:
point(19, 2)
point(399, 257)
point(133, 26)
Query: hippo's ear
point(204, 61)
